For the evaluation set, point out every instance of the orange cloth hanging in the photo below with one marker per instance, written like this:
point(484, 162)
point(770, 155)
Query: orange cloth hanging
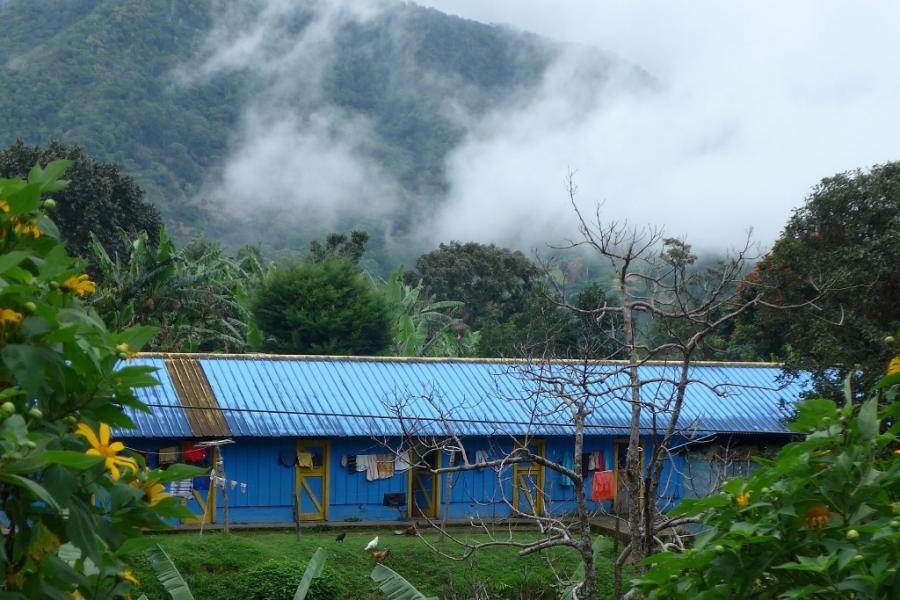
point(603, 486)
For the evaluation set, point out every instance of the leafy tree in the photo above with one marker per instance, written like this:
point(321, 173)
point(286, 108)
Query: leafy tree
point(74, 503)
point(541, 327)
point(99, 199)
point(326, 307)
point(818, 521)
point(197, 298)
point(492, 283)
point(848, 232)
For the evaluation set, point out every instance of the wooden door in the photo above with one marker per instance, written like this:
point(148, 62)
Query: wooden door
point(528, 483)
point(311, 500)
point(424, 486)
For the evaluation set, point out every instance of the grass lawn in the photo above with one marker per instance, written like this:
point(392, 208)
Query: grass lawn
point(214, 563)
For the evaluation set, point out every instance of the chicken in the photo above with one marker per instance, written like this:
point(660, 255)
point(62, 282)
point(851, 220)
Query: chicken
point(411, 530)
point(380, 555)
point(340, 537)
point(372, 545)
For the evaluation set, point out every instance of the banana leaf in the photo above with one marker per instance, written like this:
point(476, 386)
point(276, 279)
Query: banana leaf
point(396, 588)
point(313, 570)
point(168, 574)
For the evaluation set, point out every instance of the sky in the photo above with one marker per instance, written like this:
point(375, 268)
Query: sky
point(752, 105)
point(757, 102)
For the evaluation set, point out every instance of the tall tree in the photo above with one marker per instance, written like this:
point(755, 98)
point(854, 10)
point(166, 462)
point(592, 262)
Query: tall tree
point(492, 283)
point(326, 307)
point(847, 232)
point(99, 199)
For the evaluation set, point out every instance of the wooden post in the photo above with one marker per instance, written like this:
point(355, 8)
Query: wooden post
point(447, 495)
point(224, 497)
point(297, 501)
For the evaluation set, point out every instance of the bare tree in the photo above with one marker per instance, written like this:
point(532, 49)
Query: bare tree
point(655, 284)
point(665, 313)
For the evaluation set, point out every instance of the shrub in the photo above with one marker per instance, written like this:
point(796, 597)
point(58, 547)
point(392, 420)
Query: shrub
point(278, 580)
point(820, 520)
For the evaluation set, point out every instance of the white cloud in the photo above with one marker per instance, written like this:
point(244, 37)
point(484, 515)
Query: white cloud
point(757, 102)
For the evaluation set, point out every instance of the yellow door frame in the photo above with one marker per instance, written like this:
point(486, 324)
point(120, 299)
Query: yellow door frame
point(520, 471)
point(320, 471)
point(435, 504)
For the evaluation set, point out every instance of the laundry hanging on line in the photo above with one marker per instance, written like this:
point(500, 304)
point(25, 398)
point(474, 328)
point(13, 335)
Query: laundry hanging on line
point(182, 489)
point(168, 455)
point(287, 458)
point(567, 462)
point(305, 460)
point(603, 486)
point(401, 462)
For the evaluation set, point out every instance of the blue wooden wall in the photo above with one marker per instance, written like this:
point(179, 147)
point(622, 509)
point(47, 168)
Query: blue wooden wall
point(269, 497)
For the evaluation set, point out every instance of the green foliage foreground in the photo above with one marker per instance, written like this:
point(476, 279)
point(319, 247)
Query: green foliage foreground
point(73, 502)
point(820, 520)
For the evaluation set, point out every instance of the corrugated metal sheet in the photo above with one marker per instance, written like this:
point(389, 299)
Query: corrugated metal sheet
point(166, 417)
point(204, 416)
point(307, 396)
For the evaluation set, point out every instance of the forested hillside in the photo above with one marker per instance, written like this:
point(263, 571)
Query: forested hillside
point(109, 75)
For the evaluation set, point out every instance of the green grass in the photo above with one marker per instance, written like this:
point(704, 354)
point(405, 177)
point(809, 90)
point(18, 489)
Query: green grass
point(209, 562)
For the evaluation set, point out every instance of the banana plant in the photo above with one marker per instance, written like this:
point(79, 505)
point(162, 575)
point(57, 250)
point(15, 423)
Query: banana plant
point(395, 586)
point(197, 297)
point(423, 327)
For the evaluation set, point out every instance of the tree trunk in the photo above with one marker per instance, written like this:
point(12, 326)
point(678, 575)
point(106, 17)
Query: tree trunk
point(585, 545)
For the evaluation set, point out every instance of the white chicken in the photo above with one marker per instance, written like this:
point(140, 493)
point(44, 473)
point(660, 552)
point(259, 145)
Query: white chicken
point(372, 545)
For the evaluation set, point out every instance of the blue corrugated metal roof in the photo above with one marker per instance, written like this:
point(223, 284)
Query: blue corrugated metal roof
point(305, 396)
point(161, 421)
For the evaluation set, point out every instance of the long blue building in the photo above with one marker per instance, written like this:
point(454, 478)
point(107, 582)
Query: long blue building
point(333, 438)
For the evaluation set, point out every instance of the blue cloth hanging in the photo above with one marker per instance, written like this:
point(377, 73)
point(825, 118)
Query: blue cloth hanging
point(567, 462)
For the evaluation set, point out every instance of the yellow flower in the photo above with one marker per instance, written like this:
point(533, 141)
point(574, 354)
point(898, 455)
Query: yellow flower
point(28, 228)
point(101, 447)
point(4, 205)
point(817, 517)
point(79, 284)
point(743, 500)
point(10, 317)
point(894, 366)
point(127, 575)
point(125, 351)
point(154, 491)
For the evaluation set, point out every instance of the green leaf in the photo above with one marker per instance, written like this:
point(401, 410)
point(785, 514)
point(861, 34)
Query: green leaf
point(81, 531)
point(313, 571)
point(395, 586)
point(33, 487)
point(868, 420)
point(168, 574)
point(69, 458)
point(12, 259)
point(178, 472)
point(134, 545)
point(26, 362)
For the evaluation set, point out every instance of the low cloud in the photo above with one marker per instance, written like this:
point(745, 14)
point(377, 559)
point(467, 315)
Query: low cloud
point(753, 105)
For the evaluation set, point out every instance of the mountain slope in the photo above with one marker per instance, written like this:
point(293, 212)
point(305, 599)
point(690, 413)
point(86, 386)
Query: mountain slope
point(110, 76)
